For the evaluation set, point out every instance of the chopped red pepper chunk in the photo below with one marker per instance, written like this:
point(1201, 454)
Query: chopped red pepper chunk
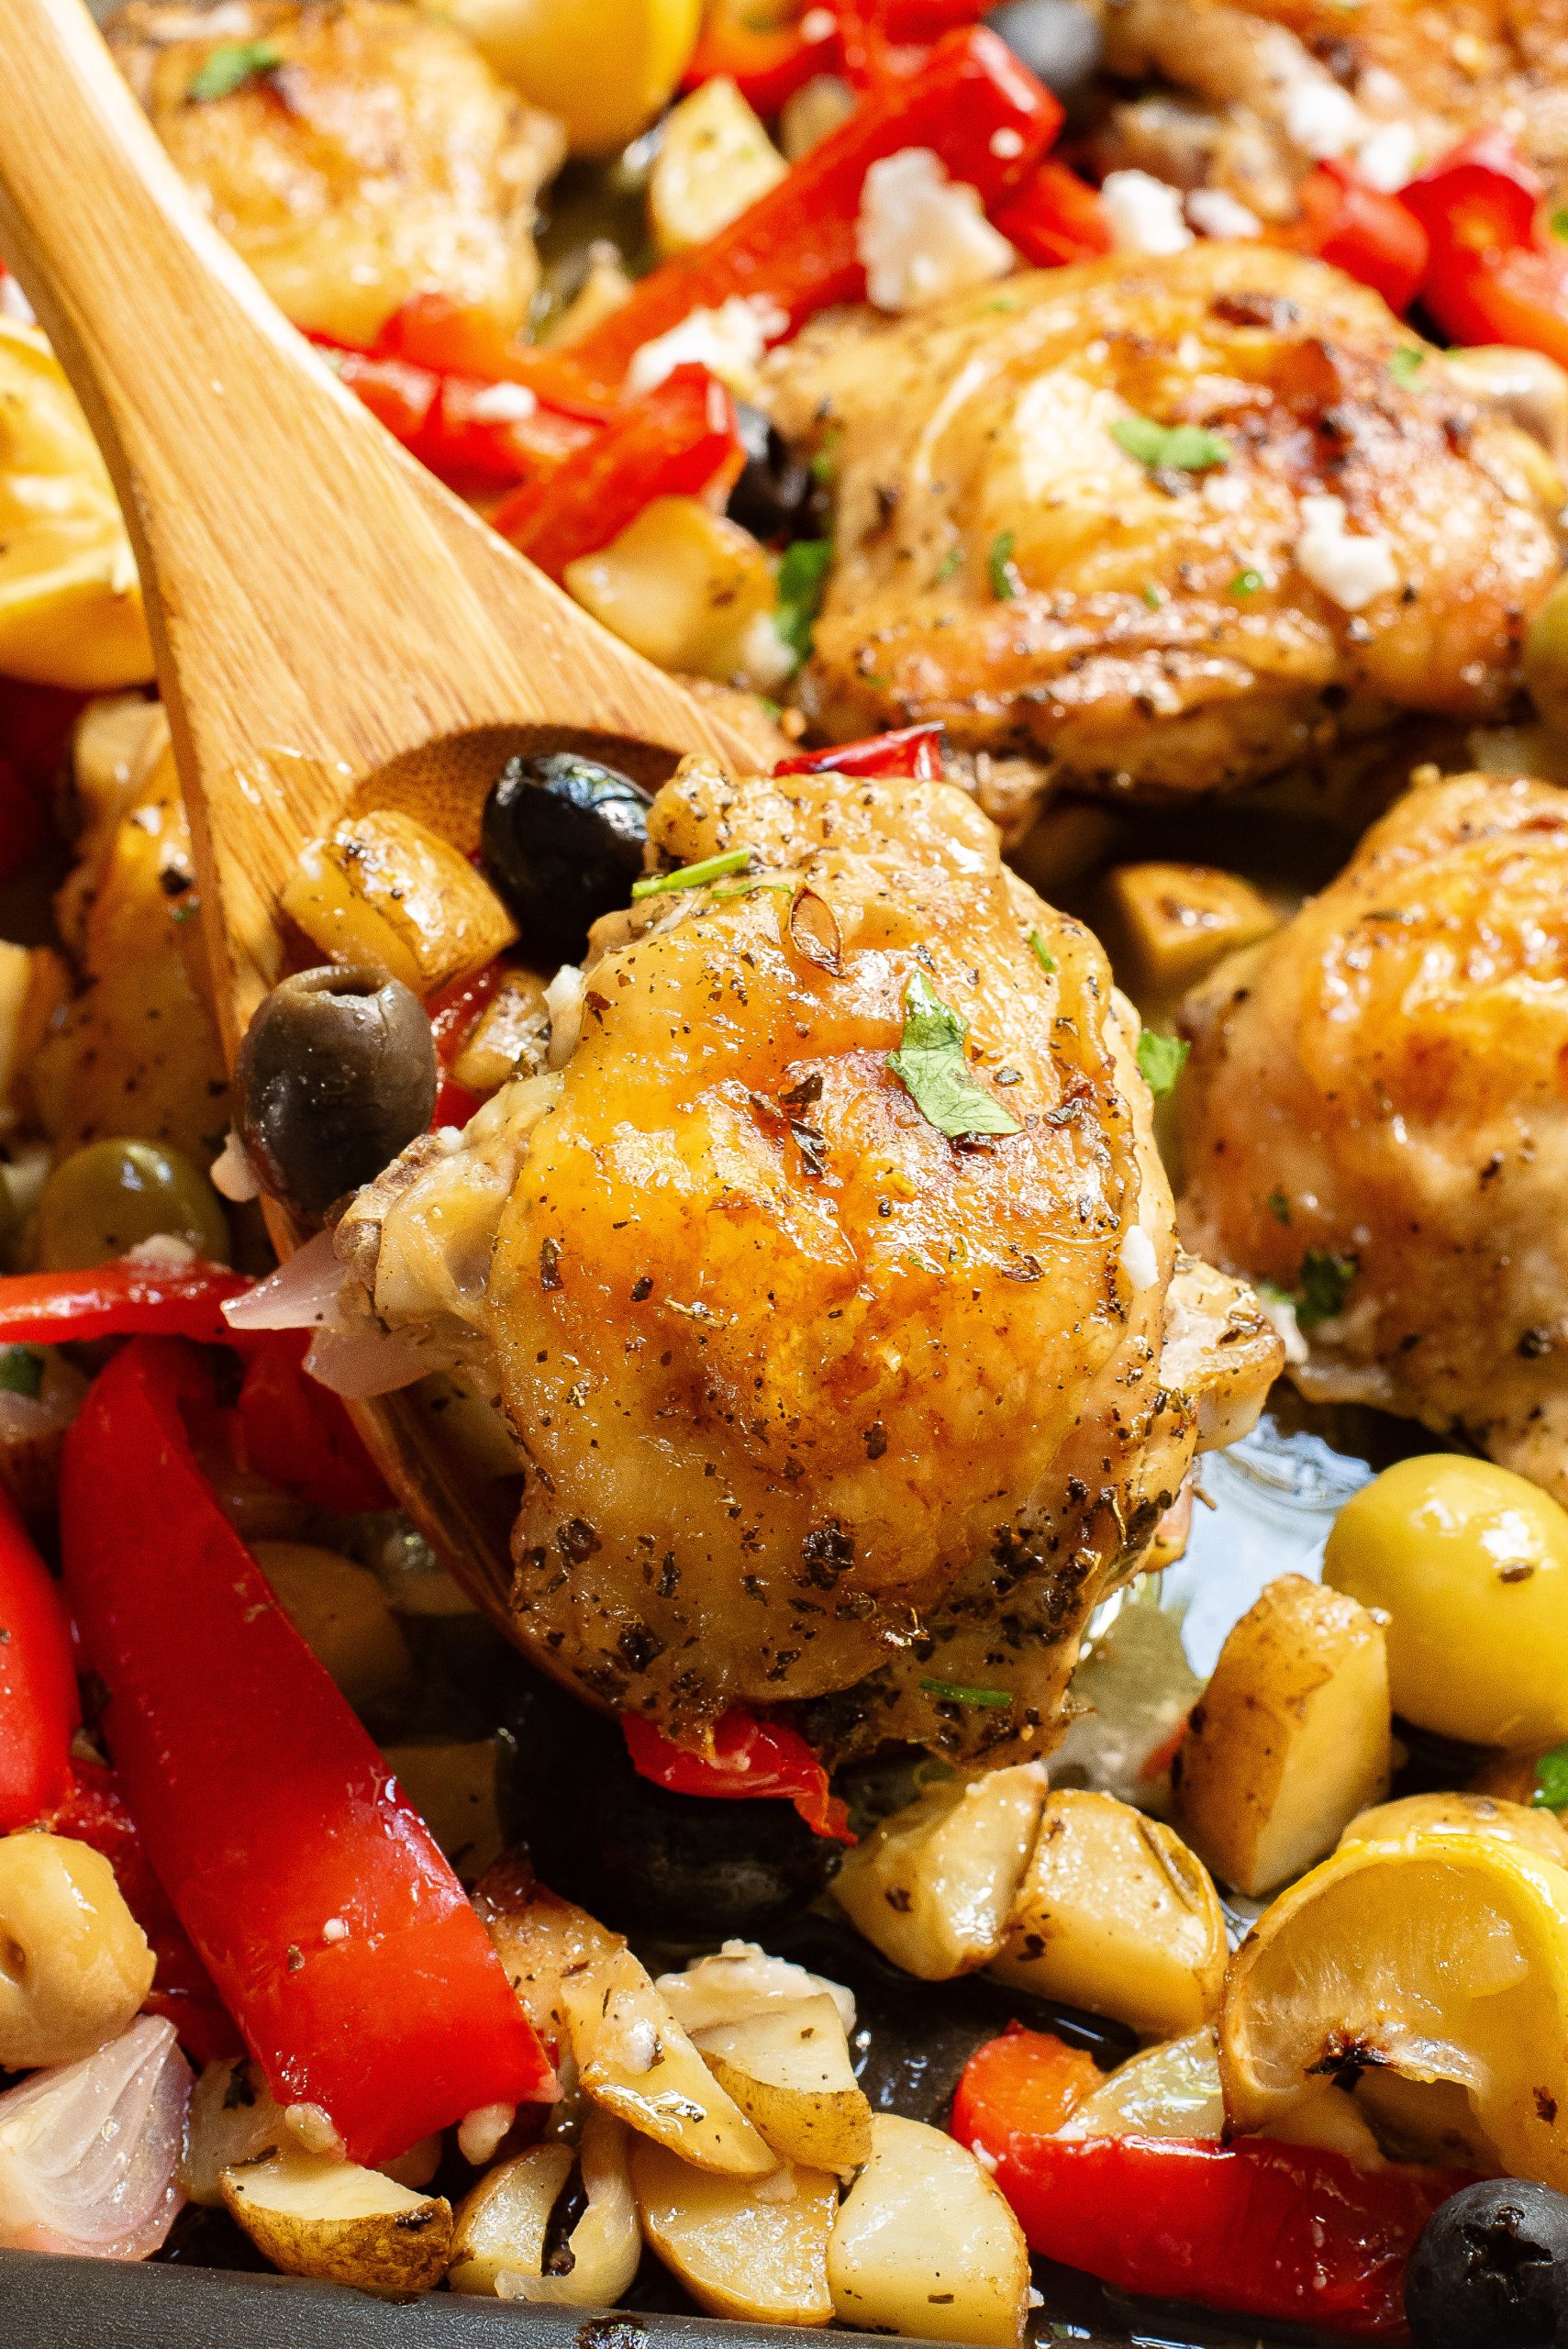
point(981, 111)
point(749, 1761)
point(1057, 218)
point(118, 1301)
point(1372, 237)
point(334, 1929)
point(1256, 2228)
point(39, 1706)
point(1026, 2080)
point(678, 440)
point(1493, 276)
point(767, 61)
point(914, 752)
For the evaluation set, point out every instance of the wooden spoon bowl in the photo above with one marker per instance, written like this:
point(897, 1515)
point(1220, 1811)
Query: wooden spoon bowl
point(332, 628)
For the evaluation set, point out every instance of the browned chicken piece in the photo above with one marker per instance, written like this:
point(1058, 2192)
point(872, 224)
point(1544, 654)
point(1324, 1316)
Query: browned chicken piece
point(1268, 84)
point(370, 154)
point(1005, 563)
point(1375, 1118)
point(812, 1397)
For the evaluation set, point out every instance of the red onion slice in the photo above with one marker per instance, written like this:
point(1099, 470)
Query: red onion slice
point(299, 1295)
point(88, 2151)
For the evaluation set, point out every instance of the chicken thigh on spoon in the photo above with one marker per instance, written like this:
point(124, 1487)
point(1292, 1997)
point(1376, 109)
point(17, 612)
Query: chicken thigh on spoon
point(829, 1282)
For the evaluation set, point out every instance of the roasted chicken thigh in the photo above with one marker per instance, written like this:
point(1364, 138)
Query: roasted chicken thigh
point(823, 1397)
point(1023, 550)
point(1375, 1115)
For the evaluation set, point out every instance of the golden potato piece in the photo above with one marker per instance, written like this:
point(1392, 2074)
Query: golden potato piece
point(502, 2224)
point(70, 599)
point(1290, 1740)
point(234, 2117)
point(715, 161)
point(926, 2244)
point(537, 1939)
point(934, 1886)
point(313, 2216)
point(742, 2247)
point(1167, 924)
point(634, 2058)
point(606, 2245)
point(788, 2069)
point(685, 588)
point(1115, 1914)
point(384, 889)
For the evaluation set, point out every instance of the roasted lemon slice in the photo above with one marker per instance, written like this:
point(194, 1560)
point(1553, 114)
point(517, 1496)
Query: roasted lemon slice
point(69, 601)
point(1430, 1973)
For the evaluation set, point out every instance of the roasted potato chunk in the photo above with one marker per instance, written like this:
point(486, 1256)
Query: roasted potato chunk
point(925, 2243)
point(313, 2216)
point(742, 2246)
point(715, 160)
point(788, 2069)
point(634, 2058)
point(934, 1886)
point(385, 890)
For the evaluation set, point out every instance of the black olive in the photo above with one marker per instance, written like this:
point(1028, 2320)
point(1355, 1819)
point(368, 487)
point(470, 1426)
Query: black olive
point(336, 1076)
point(562, 840)
point(1491, 2270)
point(675, 1867)
point(776, 495)
point(1056, 39)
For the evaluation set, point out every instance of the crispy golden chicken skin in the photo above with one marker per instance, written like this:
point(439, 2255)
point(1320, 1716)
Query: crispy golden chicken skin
point(1386, 1081)
point(380, 158)
point(1005, 564)
point(818, 1405)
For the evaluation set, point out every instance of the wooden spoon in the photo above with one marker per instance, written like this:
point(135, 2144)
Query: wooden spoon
point(321, 608)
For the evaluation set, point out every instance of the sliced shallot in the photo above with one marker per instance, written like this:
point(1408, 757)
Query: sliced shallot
point(88, 2151)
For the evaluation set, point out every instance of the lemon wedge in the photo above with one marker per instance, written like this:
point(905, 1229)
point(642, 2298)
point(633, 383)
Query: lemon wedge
point(1430, 1973)
point(639, 50)
point(70, 600)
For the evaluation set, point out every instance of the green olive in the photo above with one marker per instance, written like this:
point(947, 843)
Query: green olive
point(105, 1198)
point(336, 1076)
point(1546, 658)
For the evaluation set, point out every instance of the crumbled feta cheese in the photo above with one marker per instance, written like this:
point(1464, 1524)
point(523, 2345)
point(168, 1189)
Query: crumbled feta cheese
point(14, 303)
point(1145, 216)
point(336, 1929)
point(1350, 569)
point(638, 2048)
point(480, 2132)
point(1213, 213)
point(921, 236)
point(1322, 120)
point(563, 1001)
point(1139, 1261)
point(502, 404)
point(1388, 161)
point(1006, 144)
point(231, 1172)
point(818, 25)
point(162, 1253)
point(766, 661)
point(728, 341)
point(1280, 1313)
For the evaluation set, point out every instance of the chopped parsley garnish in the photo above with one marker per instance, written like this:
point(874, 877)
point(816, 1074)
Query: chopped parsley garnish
point(1004, 581)
point(803, 582)
point(956, 1693)
point(1160, 1060)
point(1246, 582)
point(21, 1371)
point(1405, 364)
point(931, 1065)
point(953, 561)
point(1278, 1207)
point(1041, 952)
point(1559, 221)
point(1170, 448)
point(1322, 1285)
point(1551, 1780)
point(1154, 596)
point(752, 888)
point(229, 66)
point(693, 877)
point(825, 464)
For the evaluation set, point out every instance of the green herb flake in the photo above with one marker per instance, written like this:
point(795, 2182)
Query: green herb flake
point(1041, 952)
point(1551, 1780)
point(693, 877)
point(1160, 1060)
point(989, 1701)
point(1004, 581)
point(1322, 1287)
point(1246, 582)
point(1558, 223)
point(1405, 364)
point(229, 66)
point(953, 561)
point(931, 1065)
point(1154, 596)
point(752, 888)
point(825, 464)
point(1278, 1207)
point(21, 1371)
point(802, 583)
point(1170, 448)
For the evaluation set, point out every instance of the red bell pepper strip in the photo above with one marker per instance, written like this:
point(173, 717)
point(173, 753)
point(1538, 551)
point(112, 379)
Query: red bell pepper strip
point(1493, 276)
point(442, 420)
point(1255, 2228)
point(983, 111)
point(767, 61)
point(678, 440)
point(453, 1013)
point(297, 1433)
point(118, 1301)
point(1056, 219)
point(39, 1710)
point(432, 330)
point(338, 1936)
point(914, 752)
point(93, 1812)
point(749, 1760)
point(1372, 237)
